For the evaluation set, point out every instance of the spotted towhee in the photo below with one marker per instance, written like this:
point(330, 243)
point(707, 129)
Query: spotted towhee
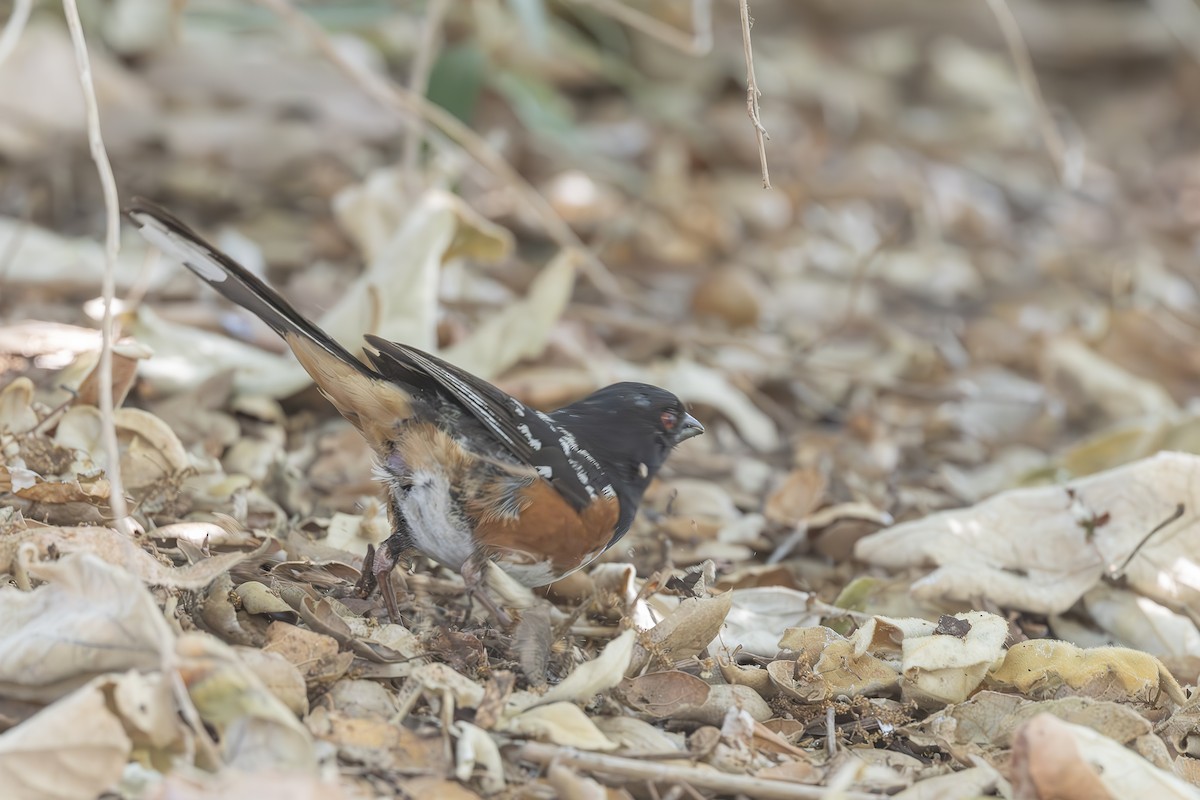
point(472, 474)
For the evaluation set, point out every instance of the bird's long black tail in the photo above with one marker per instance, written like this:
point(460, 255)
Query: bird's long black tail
point(174, 238)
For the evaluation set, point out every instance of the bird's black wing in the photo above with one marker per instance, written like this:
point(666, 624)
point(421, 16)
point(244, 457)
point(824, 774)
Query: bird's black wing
point(530, 435)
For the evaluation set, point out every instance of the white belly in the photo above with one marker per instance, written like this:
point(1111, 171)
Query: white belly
point(435, 530)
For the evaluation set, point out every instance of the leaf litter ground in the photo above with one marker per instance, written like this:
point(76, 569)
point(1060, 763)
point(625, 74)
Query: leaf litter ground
point(938, 542)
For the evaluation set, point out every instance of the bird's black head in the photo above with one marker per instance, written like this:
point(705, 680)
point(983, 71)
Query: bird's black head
point(630, 428)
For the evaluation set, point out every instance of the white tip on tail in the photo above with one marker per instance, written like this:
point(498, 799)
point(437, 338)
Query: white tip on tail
point(192, 255)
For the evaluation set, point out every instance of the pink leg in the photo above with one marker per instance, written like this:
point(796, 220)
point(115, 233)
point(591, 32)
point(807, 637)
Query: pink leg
point(473, 576)
point(377, 569)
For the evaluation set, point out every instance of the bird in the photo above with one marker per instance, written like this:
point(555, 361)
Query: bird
point(471, 474)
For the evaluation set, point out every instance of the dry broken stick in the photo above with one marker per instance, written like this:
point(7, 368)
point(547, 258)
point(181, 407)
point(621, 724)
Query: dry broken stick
point(700, 777)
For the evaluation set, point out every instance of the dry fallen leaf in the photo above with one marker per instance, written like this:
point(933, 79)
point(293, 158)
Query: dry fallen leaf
point(683, 633)
point(1041, 549)
point(759, 615)
point(827, 666)
point(591, 677)
point(256, 730)
point(1130, 620)
point(801, 492)
point(1097, 381)
point(678, 695)
point(523, 327)
point(991, 718)
point(73, 749)
point(476, 749)
point(16, 407)
point(1045, 668)
point(1052, 758)
point(118, 550)
point(88, 618)
point(941, 668)
point(561, 723)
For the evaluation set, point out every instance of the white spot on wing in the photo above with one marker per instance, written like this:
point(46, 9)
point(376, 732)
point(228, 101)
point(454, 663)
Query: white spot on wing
point(545, 471)
point(466, 394)
point(582, 475)
point(588, 458)
point(534, 442)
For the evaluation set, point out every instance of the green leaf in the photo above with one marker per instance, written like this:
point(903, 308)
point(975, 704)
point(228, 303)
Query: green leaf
point(457, 79)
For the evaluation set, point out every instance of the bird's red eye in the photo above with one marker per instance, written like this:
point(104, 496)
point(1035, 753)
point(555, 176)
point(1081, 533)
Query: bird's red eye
point(669, 420)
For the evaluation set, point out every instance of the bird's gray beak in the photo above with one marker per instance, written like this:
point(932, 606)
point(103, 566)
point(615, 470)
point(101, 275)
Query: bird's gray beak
point(689, 426)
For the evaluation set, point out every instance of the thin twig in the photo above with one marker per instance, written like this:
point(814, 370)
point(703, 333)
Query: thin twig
point(1023, 62)
point(1115, 572)
point(14, 27)
point(394, 96)
point(789, 543)
point(418, 84)
point(752, 95)
point(830, 732)
point(698, 43)
point(112, 244)
point(702, 777)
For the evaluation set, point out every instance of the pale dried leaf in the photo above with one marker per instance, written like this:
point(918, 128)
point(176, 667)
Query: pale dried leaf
point(560, 723)
point(1131, 620)
point(801, 492)
point(16, 407)
point(758, 616)
point(523, 327)
point(678, 695)
point(686, 631)
point(256, 598)
point(439, 679)
point(476, 748)
point(589, 678)
point(637, 736)
point(1056, 758)
point(980, 781)
point(945, 668)
point(278, 675)
point(186, 357)
point(89, 618)
point(1099, 382)
point(1041, 549)
point(991, 718)
point(257, 731)
point(74, 749)
point(117, 549)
